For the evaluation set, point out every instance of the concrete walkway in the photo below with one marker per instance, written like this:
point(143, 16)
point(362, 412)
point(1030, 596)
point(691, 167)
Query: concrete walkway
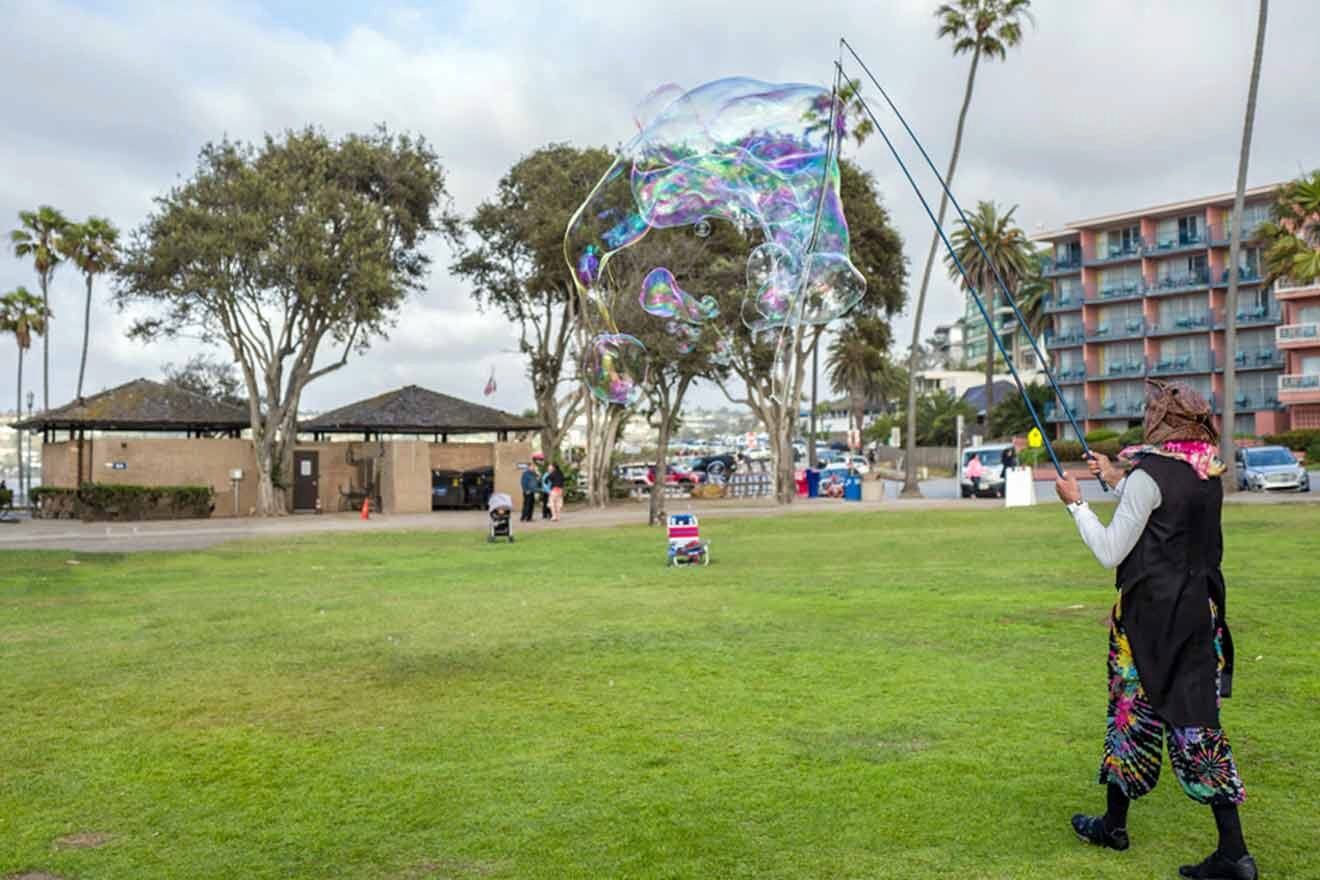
point(193, 534)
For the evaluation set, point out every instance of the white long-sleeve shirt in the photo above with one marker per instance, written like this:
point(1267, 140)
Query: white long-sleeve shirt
point(1138, 496)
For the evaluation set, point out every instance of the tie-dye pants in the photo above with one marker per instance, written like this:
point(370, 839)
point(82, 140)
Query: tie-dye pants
point(1134, 738)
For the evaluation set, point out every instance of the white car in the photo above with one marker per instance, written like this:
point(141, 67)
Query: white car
point(860, 464)
point(992, 463)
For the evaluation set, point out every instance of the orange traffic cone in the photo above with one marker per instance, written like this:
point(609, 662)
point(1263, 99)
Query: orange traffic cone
point(366, 508)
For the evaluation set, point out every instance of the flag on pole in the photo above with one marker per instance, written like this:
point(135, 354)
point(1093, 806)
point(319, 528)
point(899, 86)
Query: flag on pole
point(490, 384)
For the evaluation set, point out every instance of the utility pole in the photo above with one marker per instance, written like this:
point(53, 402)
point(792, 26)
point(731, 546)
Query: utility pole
point(27, 493)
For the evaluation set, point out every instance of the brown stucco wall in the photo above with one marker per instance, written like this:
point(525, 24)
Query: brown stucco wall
point(406, 486)
point(461, 456)
point(507, 475)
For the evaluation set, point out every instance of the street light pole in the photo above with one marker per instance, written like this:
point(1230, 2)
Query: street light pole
point(27, 494)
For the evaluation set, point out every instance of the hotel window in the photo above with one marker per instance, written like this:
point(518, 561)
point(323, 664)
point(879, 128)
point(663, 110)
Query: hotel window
point(1200, 384)
point(1182, 307)
point(1166, 232)
point(1308, 315)
point(1121, 277)
point(1068, 252)
point(1120, 356)
point(1257, 387)
point(1192, 350)
point(1070, 290)
point(1182, 267)
point(1189, 229)
point(1252, 341)
point(1069, 324)
point(1255, 302)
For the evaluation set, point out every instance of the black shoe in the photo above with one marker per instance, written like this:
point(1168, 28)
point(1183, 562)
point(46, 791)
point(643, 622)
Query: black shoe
point(1216, 867)
point(1091, 829)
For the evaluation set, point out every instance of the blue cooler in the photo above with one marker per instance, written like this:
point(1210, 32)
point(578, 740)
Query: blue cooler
point(813, 483)
point(852, 488)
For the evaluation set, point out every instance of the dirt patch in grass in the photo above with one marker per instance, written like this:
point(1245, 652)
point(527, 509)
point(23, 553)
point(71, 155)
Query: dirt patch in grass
point(449, 869)
point(34, 875)
point(872, 747)
point(84, 840)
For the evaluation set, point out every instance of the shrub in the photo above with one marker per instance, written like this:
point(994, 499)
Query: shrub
point(1303, 438)
point(1108, 447)
point(1132, 437)
point(1313, 454)
point(1068, 450)
point(101, 501)
point(1100, 434)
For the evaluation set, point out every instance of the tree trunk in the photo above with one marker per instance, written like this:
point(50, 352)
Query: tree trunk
point(87, 328)
point(602, 426)
point(781, 451)
point(910, 489)
point(1226, 444)
point(45, 342)
point(656, 513)
point(268, 496)
point(18, 436)
point(811, 441)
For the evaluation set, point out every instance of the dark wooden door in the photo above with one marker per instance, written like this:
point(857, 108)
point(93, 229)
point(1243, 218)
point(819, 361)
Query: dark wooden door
point(306, 470)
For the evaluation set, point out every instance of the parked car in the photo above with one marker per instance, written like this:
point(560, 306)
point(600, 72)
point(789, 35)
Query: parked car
point(675, 475)
point(716, 465)
point(635, 472)
point(992, 481)
point(860, 464)
point(1271, 469)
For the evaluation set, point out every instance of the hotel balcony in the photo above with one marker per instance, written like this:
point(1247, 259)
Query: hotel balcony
point(1058, 268)
point(1177, 245)
point(1299, 388)
point(1056, 413)
point(1113, 254)
point(1070, 375)
point(1255, 403)
point(1246, 278)
point(1221, 233)
point(1286, 288)
point(1186, 283)
point(1062, 303)
point(1297, 335)
point(1182, 364)
point(1123, 408)
point(1134, 328)
point(1065, 340)
point(1120, 370)
point(1251, 317)
point(1256, 359)
point(1197, 322)
point(1116, 291)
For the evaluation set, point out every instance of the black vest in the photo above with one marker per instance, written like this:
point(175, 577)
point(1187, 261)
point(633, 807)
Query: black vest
point(1168, 582)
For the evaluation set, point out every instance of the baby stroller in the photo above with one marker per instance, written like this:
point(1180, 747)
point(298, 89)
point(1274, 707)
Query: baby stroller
point(685, 544)
point(501, 517)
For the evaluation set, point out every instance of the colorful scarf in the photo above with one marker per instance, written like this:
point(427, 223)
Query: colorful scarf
point(1202, 456)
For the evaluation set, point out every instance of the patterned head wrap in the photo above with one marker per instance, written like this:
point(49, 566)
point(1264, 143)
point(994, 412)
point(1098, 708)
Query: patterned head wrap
point(1176, 412)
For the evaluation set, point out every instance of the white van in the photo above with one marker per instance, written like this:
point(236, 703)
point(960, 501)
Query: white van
point(992, 480)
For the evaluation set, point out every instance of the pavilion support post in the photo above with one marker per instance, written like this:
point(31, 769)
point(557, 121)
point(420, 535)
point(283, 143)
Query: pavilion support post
point(78, 482)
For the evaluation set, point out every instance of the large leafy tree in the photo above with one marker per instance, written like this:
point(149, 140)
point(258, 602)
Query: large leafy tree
point(38, 239)
point(93, 247)
point(877, 252)
point(1006, 252)
point(1011, 417)
point(279, 251)
point(511, 251)
point(1234, 250)
point(1292, 237)
point(984, 29)
point(209, 377)
point(25, 316)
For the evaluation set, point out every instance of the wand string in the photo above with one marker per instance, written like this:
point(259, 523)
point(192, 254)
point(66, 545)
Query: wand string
point(1003, 286)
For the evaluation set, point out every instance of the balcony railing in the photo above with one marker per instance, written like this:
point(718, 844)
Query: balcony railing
point(1221, 233)
point(1115, 291)
point(1182, 364)
point(1255, 403)
point(1288, 286)
point(1066, 266)
point(1064, 340)
point(1070, 375)
point(1066, 303)
point(1194, 322)
point(1055, 413)
point(1132, 328)
point(1253, 317)
point(1121, 370)
point(1255, 359)
point(1114, 254)
point(1175, 245)
point(1308, 333)
point(1300, 382)
point(1246, 276)
point(1198, 280)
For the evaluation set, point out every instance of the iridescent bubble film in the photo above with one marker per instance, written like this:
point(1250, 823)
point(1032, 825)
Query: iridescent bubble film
point(615, 367)
point(754, 154)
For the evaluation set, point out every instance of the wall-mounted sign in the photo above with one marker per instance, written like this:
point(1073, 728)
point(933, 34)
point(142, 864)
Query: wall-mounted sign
point(117, 465)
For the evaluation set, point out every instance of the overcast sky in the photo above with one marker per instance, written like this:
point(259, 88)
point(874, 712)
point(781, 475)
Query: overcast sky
point(1106, 107)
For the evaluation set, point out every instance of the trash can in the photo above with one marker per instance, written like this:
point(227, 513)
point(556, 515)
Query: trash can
point(478, 484)
point(800, 478)
point(446, 490)
point(813, 483)
point(852, 488)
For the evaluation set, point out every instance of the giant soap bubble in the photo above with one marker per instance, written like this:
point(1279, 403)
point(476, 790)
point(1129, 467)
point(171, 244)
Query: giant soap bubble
point(758, 155)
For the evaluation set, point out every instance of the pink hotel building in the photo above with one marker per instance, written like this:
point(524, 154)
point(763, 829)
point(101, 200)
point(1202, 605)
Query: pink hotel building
point(1141, 294)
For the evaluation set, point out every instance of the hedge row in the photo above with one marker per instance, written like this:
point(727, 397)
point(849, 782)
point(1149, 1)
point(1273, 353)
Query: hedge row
point(1302, 438)
point(92, 502)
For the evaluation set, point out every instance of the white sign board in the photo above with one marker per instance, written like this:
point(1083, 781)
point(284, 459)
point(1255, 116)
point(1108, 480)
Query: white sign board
point(1019, 487)
point(895, 437)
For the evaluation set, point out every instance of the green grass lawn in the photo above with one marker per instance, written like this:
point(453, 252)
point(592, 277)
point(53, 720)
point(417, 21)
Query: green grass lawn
point(870, 695)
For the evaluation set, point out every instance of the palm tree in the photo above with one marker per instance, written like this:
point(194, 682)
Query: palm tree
point(856, 359)
point(92, 247)
point(1010, 255)
point(23, 315)
point(986, 28)
point(1292, 238)
point(1235, 248)
point(38, 238)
